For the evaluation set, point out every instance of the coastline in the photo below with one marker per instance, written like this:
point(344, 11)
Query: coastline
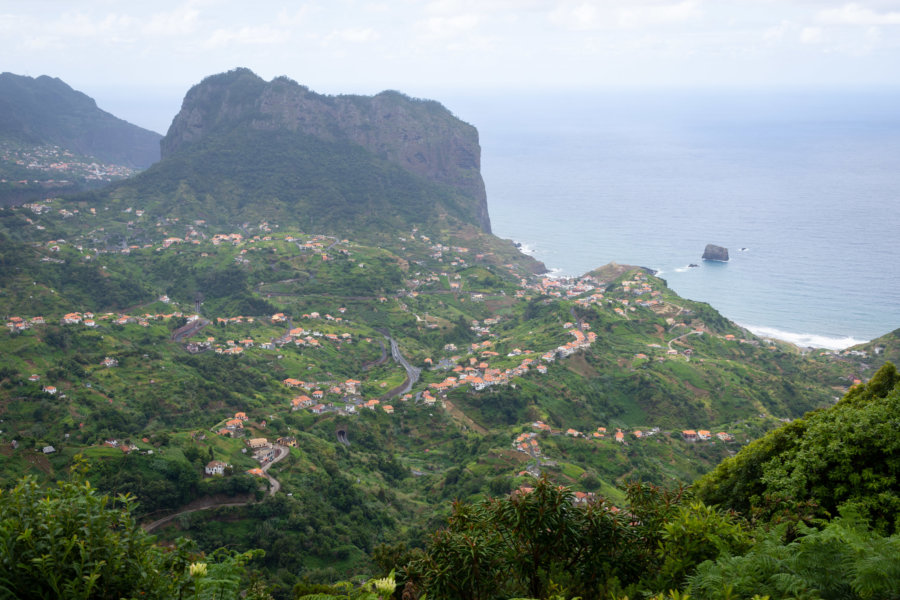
point(799, 339)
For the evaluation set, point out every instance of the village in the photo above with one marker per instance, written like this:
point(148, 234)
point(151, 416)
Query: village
point(58, 162)
point(492, 361)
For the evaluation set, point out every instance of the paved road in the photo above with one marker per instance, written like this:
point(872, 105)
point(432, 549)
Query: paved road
point(280, 453)
point(148, 527)
point(412, 373)
point(683, 336)
point(380, 361)
point(274, 486)
point(190, 329)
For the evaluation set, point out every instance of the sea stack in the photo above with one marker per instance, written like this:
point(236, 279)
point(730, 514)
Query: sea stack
point(714, 252)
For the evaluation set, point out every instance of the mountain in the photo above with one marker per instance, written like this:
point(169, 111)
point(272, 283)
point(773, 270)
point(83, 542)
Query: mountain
point(45, 110)
point(160, 324)
point(244, 151)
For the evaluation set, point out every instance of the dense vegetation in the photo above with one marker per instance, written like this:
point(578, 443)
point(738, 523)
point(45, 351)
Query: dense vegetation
point(844, 458)
point(540, 542)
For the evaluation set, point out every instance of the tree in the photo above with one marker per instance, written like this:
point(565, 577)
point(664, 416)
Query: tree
point(534, 542)
point(846, 455)
point(71, 542)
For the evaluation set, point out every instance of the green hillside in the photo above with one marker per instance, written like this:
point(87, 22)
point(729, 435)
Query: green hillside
point(44, 110)
point(571, 364)
point(289, 181)
point(292, 335)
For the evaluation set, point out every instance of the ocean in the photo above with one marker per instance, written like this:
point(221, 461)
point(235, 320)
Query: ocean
point(802, 187)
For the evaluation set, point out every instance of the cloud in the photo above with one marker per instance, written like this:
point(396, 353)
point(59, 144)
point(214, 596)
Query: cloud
point(247, 36)
point(354, 35)
point(811, 35)
point(643, 15)
point(450, 26)
point(183, 20)
point(595, 15)
point(854, 14)
point(777, 33)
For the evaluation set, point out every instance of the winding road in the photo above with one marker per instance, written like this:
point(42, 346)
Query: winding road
point(683, 336)
point(274, 486)
point(412, 373)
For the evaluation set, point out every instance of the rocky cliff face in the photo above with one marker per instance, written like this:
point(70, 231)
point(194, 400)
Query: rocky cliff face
point(421, 136)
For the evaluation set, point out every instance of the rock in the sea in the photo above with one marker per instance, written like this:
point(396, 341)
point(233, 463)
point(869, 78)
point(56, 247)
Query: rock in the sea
point(714, 252)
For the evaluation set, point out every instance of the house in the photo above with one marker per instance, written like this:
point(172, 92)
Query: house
point(264, 454)
point(240, 415)
point(388, 409)
point(318, 409)
point(288, 441)
point(299, 402)
point(704, 435)
point(49, 389)
point(233, 424)
point(34, 377)
point(256, 443)
point(620, 437)
point(215, 467)
point(48, 450)
point(725, 437)
point(582, 498)
point(689, 435)
point(110, 362)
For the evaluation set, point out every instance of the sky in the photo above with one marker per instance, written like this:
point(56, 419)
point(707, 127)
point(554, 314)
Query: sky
point(137, 59)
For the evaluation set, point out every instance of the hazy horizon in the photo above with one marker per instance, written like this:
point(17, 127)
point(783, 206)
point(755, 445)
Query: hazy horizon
point(437, 48)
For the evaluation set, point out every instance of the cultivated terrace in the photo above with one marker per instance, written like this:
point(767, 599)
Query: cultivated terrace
point(410, 368)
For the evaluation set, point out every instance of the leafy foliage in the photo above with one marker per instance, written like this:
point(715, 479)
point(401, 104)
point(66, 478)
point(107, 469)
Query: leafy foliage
point(843, 560)
point(847, 455)
point(71, 542)
point(539, 543)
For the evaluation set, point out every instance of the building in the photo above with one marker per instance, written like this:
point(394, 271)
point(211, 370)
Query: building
point(215, 467)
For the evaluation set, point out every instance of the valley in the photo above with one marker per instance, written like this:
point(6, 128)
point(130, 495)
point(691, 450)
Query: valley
point(300, 336)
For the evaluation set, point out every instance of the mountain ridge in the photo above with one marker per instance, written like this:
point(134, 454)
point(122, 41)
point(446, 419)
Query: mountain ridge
point(46, 110)
point(420, 136)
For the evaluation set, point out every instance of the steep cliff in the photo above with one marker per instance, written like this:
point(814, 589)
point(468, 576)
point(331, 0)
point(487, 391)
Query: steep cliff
point(419, 136)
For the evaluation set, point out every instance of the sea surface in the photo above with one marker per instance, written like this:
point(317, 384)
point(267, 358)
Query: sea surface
point(802, 187)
